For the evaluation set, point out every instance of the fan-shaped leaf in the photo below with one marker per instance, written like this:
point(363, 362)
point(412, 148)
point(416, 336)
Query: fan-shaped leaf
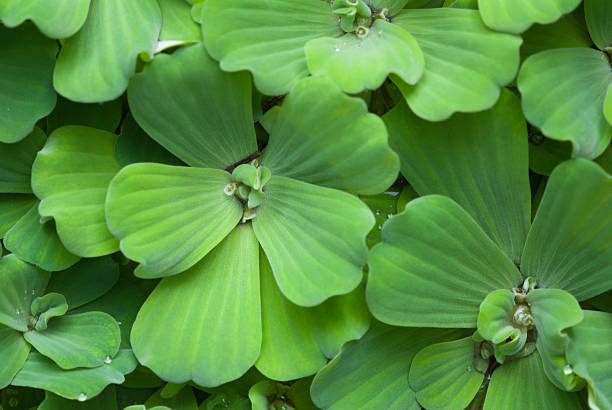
point(515, 16)
point(16, 162)
point(598, 14)
point(482, 165)
point(522, 384)
point(96, 64)
point(443, 375)
point(589, 355)
point(70, 175)
point(327, 228)
point(21, 284)
point(298, 341)
point(199, 113)
point(372, 372)
point(84, 340)
point(27, 64)
point(324, 137)
point(54, 18)
point(563, 94)
point(434, 267)
point(205, 324)
point(266, 38)
point(167, 218)
point(569, 245)
point(456, 77)
point(14, 351)
point(83, 383)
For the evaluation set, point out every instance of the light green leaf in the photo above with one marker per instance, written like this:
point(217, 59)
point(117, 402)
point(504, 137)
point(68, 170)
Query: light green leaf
point(70, 175)
point(588, 352)
point(608, 105)
point(16, 162)
point(96, 64)
point(314, 238)
point(197, 112)
point(167, 218)
point(54, 18)
point(456, 77)
point(88, 339)
point(482, 165)
point(598, 14)
point(554, 312)
point(28, 59)
point(568, 246)
point(76, 384)
point(443, 375)
point(568, 31)
point(205, 324)
point(12, 208)
point(47, 307)
point(434, 267)
point(563, 94)
point(14, 351)
point(522, 384)
point(21, 284)
point(266, 38)
point(324, 137)
point(38, 243)
point(177, 24)
point(356, 64)
point(105, 116)
point(372, 372)
point(515, 16)
point(86, 281)
point(107, 400)
point(495, 324)
point(298, 341)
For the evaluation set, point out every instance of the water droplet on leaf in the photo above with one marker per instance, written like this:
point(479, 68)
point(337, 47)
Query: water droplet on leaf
point(108, 360)
point(567, 370)
point(82, 397)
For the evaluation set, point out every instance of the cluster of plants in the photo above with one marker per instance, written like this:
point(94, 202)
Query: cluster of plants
point(301, 204)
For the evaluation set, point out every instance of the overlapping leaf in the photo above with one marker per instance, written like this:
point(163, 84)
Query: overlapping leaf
point(55, 19)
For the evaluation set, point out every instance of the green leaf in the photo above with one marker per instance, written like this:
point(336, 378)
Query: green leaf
point(76, 384)
point(443, 375)
point(28, 59)
point(324, 137)
point(192, 108)
point(384, 206)
point(568, 246)
point(588, 353)
point(522, 384)
point(579, 79)
point(177, 25)
point(545, 154)
point(456, 77)
point(184, 400)
point(554, 312)
point(495, 323)
point(266, 38)
point(38, 243)
point(12, 208)
point(167, 218)
point(134, 145)
point(107, 400)
point(70, 175)
point(54, 18)
point(608, 105)
point(314, 238)
point(487, 176)
point(263, 395)
point(96, 64)
point(515, 16)
point(21, 284)
point(205, 324)
point(297, 341)
point(47, 307)
point(355, 64)
point(14, 351)
point(434, 267)
point(86, 281)
point(84, 340)
point(569, 31)
point(105, 116)
point(16, 162)
point(372, 372)
point(598, 14)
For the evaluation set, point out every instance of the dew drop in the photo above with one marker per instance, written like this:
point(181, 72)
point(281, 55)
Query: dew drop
point(377, 213)
point(108, 360)
point(389, 216)
point(119, 323)
point(469, 368)
point(82, 397)
point(337, 49)
point(380, 227)
point(567, 370)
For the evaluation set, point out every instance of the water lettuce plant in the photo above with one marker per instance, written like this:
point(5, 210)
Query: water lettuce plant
point(303, 204)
